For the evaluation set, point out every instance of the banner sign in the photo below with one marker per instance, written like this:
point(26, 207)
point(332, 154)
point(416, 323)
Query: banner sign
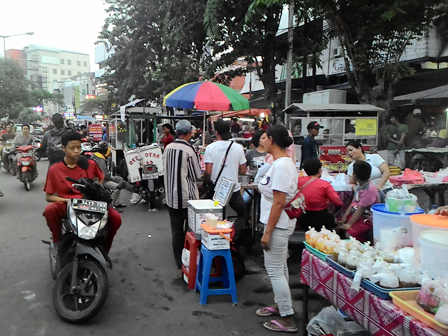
point(335, 159)
point(366, 126)
point(96, 132)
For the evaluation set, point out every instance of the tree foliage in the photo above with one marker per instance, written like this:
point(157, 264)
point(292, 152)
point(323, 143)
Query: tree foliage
point(157, 45)
point(99, 105)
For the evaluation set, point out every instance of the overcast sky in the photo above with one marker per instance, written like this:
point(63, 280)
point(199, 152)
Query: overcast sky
point(70, 25)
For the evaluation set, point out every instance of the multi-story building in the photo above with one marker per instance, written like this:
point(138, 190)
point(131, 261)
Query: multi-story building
point(49, 67)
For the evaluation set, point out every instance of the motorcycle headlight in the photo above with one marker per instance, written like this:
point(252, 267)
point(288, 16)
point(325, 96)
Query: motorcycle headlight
point(103, 221)
point(88, 232)
point(73, 219)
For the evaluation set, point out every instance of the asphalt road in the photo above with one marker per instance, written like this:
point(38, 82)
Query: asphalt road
point(146, 296)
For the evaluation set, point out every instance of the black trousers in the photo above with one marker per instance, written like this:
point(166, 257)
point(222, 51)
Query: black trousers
point(179, 226)
point(236, 202)
point(316, 219)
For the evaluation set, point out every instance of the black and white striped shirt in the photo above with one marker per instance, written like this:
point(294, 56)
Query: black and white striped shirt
point(182, 170)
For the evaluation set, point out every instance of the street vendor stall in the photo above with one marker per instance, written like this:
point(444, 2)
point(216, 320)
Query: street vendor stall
point(341, 122)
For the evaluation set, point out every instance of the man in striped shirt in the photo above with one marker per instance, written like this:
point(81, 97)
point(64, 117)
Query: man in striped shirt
point(182, 170)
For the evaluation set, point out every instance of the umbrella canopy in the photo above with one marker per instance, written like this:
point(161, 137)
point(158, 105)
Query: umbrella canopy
point(207, 96)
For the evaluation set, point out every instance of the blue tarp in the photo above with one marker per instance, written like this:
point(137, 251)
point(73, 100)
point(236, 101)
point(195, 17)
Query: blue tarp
point(85, 118)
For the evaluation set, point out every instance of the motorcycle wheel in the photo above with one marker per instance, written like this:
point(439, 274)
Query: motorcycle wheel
point(13, 166)
point(27, 180)
point(89, 297)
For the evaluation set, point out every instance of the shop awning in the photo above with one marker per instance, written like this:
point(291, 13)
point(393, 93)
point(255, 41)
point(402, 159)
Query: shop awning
point(434, 96)
point(249, 112)
point(332, 108)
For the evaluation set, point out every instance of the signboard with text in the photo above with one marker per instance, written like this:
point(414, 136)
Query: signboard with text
point(366, 126)
point(335, 159)
point(96, 132)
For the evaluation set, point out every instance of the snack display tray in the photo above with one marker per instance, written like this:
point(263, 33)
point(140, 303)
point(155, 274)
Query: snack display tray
point(316, 252)
point(407, 301)
point(383, 293)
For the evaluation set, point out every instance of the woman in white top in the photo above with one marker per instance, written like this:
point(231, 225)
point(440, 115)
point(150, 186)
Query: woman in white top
point(380, 170)
point(277, 187)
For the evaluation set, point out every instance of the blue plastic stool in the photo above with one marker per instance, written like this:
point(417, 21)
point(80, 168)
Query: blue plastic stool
point(203, 278)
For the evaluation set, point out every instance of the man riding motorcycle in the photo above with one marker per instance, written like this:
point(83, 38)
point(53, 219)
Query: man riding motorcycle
point(113, 183)
point(25, 139)
point(8, 135)
point(58, 190)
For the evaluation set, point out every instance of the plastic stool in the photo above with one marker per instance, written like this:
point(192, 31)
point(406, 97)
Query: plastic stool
point(203, 278)
point(192, 245)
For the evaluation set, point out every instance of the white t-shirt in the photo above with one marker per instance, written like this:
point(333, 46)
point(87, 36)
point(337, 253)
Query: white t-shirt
point(375, 161)
point(214, 153)
point(282, 176)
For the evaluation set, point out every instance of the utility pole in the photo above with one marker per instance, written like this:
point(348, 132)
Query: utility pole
point(289, 61)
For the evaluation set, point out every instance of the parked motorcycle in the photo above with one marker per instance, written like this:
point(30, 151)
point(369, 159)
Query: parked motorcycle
point(26, 165)
point(82, 285)
point(8, 157)
point(86, 148)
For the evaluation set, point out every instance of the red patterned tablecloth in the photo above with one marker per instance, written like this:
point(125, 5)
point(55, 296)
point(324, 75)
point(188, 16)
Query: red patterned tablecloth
point(379, 317)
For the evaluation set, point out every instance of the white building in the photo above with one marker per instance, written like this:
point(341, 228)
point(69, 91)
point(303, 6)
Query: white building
point(49, 67)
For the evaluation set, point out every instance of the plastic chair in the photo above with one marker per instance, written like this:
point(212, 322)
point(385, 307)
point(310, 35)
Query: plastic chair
point(192, 245)
point(203, 278)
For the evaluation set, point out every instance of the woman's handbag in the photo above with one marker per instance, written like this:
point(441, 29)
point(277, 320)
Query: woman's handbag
point(296, 206)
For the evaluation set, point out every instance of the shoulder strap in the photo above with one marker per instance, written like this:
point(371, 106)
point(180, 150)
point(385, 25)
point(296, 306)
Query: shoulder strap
point(306, 184)
point(224, 161)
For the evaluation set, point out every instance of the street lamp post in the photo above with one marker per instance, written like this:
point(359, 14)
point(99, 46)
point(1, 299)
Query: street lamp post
point(4, 37)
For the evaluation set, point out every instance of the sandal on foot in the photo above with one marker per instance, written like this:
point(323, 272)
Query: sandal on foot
point(275, 325)
point(267, 311)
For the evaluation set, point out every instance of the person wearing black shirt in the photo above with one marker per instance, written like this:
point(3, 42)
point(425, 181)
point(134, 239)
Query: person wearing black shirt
point(310, 148)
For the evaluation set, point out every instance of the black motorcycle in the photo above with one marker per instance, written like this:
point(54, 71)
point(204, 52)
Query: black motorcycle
point(82, 285)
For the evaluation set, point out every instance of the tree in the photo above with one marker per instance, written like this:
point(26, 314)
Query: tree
point(28, 116)
point(13, 88)
point(374, 35)
point(157, 45)
point(237, 29)
point(99, 105)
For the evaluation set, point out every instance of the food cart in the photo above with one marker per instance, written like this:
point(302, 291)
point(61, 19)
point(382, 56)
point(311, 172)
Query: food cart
point(128, 126)
point(342, 123)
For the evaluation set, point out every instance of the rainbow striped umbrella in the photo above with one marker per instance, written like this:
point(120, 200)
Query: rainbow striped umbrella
point(206, 96)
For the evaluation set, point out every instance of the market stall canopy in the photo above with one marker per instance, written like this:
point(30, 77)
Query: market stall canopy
point(207, 96)
point(434, 96)
point(250, 112)
point(332, 108)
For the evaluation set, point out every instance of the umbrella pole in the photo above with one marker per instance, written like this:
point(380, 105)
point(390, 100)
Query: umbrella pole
point(203, 131)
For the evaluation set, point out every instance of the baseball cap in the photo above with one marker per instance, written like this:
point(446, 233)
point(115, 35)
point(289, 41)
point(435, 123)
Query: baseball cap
point(314, 125)
point(183, 127)
point(417, 111)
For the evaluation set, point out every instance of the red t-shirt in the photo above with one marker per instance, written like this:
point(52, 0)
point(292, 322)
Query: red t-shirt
point(318, 193)
point(167, 140)
point(57, 184)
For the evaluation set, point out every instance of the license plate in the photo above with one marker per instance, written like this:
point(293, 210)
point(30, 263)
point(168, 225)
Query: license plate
point(88, 205)
point(152, 176)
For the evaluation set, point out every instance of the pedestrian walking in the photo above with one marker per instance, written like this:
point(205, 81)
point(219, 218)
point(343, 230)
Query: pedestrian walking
point(395, 136)
point(225, 159)
point(182, 171)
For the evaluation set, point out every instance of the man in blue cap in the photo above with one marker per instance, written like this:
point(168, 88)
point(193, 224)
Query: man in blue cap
point(182, 171)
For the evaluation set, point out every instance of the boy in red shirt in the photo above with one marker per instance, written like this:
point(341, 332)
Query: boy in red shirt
point(59, 191)
point(357, 221)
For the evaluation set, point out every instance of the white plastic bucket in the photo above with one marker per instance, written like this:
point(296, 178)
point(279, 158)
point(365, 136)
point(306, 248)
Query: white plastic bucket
point(426, 222)
point(385, 218)
point(434, 253)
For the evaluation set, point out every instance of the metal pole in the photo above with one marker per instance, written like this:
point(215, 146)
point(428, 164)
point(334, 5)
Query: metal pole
point(289, 62)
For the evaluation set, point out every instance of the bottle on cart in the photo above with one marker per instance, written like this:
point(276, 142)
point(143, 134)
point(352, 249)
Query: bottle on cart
point(433, 210)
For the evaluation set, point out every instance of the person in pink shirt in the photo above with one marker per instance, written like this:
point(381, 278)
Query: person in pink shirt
point(357, 221)
point(318, 194)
